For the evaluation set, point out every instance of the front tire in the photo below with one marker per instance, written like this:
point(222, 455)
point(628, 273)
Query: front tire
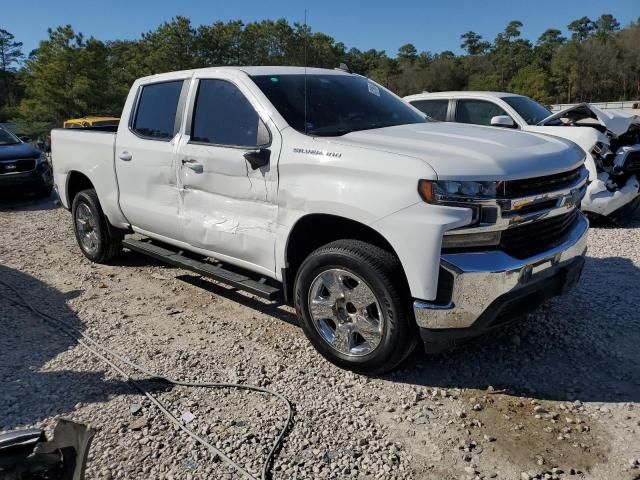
point(350, 298)
point(92, 232)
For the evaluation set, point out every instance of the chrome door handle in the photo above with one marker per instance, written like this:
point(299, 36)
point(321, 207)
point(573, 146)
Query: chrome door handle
point(126, 156)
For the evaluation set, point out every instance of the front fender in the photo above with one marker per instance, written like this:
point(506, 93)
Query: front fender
point(415, 233)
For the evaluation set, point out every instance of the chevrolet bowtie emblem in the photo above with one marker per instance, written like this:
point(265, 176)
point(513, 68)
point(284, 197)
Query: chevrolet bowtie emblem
point(571, 199)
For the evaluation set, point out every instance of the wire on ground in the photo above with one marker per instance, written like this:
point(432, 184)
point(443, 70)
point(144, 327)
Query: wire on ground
point(93, 346)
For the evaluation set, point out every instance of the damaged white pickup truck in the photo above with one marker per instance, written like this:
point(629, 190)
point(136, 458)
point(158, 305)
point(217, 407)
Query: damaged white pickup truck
point(610, 139)
point(325, 190)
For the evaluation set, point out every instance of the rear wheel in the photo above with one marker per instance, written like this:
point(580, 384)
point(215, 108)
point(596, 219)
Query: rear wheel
point(348, 295)
point(92, 232)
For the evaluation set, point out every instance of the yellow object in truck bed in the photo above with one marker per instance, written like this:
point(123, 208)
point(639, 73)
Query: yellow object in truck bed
point(91, 122)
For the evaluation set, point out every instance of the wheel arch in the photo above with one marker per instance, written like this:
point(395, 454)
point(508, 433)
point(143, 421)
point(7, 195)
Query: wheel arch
point(76, 182)
point(317, 229)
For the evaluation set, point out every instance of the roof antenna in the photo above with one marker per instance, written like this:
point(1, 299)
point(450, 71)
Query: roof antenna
point(305, 69)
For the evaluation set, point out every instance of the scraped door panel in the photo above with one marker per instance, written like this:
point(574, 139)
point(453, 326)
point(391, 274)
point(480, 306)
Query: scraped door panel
point(145, 160)
point(226, 207)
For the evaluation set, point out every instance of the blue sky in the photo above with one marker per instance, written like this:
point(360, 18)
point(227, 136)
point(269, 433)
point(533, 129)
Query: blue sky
point(384, 25)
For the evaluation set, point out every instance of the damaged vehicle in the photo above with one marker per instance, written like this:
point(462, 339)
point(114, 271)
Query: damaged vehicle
point(29, 455)
point(611, 139)
point(323, 190)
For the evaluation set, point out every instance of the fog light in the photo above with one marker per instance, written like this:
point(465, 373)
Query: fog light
point(470, 240)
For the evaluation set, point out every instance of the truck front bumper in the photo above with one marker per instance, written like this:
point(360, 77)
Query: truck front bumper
point(491, 288)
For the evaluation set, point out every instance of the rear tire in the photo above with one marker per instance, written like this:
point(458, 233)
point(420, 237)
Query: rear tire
point(97, 241)
point(350, 297)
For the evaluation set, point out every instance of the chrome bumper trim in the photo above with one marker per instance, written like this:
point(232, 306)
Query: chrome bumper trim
point(482, 277)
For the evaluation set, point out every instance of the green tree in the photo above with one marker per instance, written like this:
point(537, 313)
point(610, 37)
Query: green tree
point(532, 81)
point(172, 46)
point(564, 68)
point(10, 57)
point(628, 41)
point(473, 44)
point(510, 53)
point(548, 44)
point(69, 75)
point(581, 29)
point(408, 53)
point(606, 26)
point(65, 77)
point(219, 43)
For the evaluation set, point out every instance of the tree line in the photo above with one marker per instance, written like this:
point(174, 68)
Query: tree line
point(69, 75)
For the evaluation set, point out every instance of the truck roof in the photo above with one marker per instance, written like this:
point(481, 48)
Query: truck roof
point(255, 70)
point(463, 93)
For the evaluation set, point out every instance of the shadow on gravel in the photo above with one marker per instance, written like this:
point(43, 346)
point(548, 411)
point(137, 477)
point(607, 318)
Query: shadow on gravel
point(32, 384)
point(25, 203)
point(273, 309)
point(584, 346)
point(133, 259)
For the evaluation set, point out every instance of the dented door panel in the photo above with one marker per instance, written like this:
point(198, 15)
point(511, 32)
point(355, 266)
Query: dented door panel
point(225, 206)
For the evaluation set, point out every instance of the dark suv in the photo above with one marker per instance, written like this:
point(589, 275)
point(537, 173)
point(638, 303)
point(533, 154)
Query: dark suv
point(23, 168)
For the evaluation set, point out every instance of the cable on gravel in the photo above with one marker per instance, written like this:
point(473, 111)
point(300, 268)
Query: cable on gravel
point(95, 348)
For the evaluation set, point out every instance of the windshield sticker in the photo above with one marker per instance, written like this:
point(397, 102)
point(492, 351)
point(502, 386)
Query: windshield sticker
point(311, 151)
point(373, 89)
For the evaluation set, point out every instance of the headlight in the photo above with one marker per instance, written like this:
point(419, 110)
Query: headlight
point(41, 159)
point(465, 194)
point(456, 192)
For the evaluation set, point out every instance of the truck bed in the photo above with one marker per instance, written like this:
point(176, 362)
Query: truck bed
point(90, 151)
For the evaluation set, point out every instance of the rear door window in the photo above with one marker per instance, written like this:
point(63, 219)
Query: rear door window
point(478, 112)
point(223, 116)
point(155, 116)
point(435, 109)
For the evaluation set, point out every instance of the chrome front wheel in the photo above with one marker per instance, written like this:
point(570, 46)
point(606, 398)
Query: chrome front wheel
point(345, 312)
point(349, 296)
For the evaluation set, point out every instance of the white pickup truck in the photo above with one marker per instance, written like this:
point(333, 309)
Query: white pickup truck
point(610, 139)
point(326, 190)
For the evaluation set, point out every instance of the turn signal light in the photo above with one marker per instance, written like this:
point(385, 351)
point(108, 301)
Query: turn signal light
point(425, 189)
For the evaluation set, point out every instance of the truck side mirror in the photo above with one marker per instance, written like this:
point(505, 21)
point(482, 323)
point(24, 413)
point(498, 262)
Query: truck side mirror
point(258, 158)
point(504, 121)
point(260, 155)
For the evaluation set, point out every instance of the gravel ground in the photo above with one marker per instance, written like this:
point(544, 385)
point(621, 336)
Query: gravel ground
point(555, 397)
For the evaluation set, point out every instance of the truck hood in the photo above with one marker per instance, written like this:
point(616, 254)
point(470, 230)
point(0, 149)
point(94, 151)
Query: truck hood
point(468, 152)
point(616, 122)
point(18, 151)
point(585, 137)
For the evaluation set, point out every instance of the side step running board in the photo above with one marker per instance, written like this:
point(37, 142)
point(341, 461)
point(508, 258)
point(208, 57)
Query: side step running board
point(216, 272)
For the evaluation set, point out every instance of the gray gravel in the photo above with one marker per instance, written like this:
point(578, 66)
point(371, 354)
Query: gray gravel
point(555, 397)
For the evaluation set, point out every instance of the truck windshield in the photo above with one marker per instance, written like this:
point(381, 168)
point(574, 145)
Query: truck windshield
point(336, 104)
point(7, 138)
point(530, 110)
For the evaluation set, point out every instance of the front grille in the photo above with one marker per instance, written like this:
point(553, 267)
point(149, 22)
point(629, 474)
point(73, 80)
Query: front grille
point(23, 165)
point(534, 238)
point(632, 163)
point(538, 185)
